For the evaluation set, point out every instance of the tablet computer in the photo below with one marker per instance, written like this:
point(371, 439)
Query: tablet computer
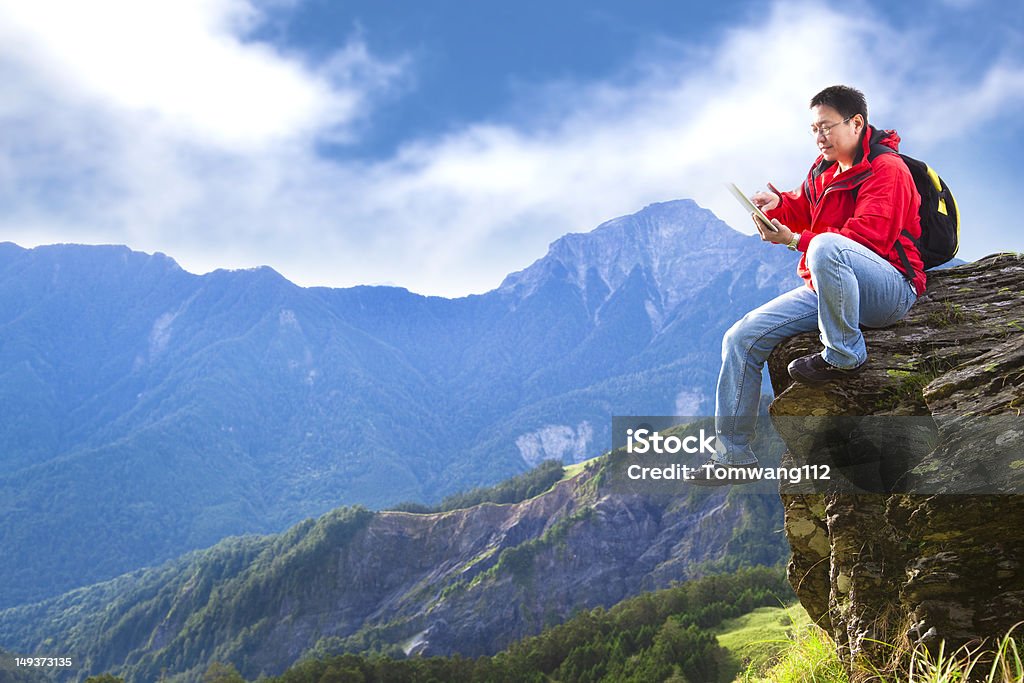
point(752, 208)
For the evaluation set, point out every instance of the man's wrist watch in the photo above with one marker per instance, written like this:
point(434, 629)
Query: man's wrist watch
point(793, 242)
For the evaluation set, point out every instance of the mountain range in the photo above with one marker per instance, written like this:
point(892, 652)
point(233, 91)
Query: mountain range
point(149, 411)
point(469, 581)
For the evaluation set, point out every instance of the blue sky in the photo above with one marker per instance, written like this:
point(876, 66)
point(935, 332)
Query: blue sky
point(441, 145)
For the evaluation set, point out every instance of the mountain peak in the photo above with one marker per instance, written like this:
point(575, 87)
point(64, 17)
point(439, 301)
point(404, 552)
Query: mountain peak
point(665, 239)
point(88, 256)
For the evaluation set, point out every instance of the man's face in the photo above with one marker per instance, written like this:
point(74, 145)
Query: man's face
point(842, 138)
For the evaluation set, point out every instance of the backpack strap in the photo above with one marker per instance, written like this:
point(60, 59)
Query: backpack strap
point(876, 148)
point(908, 269)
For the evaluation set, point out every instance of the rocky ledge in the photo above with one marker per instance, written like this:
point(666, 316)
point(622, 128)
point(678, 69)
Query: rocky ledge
point(922, 542)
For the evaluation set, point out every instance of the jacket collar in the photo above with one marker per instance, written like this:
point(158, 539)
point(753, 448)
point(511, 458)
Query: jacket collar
point(868, 136)
point(856, 174)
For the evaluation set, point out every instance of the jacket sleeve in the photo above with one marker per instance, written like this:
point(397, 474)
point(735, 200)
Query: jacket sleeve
point(883, 202)
point(793, 211)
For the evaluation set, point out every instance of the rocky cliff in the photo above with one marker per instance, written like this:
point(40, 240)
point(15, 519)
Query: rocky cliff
point(919, 539)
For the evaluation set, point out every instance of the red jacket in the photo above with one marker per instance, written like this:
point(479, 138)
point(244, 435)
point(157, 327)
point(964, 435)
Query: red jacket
point(872, 203)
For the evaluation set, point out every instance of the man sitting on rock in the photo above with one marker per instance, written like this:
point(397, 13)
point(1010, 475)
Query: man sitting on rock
point(853, 219)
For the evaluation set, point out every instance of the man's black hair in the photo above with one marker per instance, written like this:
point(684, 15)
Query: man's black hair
point(844, 99)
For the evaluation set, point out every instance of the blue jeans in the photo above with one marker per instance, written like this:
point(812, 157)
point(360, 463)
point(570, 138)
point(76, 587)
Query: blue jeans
point(855, 286)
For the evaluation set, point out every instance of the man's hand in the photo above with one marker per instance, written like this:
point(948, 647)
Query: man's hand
point(766, 201)
point(782, 234)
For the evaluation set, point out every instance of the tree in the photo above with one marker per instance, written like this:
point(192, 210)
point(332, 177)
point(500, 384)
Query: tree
point(222, 673)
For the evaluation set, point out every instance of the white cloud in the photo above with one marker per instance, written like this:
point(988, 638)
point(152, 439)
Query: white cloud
point(222, 172)
point(999, 89)
point(180, 68)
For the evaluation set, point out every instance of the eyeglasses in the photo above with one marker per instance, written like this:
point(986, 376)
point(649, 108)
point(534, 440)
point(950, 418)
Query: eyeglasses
point(826, 129)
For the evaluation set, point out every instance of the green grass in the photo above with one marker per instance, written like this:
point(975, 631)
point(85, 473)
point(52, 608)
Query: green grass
point(781, 645)
point(756, 639)
point(1001, 662)
point(571, 471)
point(811, 658)
point(951, 314)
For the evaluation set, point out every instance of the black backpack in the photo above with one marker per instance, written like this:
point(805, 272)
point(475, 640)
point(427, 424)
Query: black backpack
point(940, 216)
